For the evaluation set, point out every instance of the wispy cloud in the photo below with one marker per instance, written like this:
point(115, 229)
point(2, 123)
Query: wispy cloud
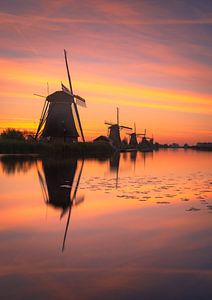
point(129, 53)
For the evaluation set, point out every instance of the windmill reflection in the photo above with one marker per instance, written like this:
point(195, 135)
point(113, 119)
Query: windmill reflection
point(133, 157)
point(59, 182)
point(145, 156)
point(114, 165)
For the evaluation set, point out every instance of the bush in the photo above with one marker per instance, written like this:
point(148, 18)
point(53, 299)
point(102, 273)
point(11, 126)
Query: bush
point(12, 134)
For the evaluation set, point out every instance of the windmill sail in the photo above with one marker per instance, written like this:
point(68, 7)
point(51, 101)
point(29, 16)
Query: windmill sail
point(79, 100)
point(73, 198)
point(65, 89)
point(75, 106)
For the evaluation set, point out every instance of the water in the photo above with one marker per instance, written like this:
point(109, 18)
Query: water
point(139, 227)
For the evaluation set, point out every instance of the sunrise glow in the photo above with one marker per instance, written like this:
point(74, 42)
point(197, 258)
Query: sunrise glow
point(153, 61)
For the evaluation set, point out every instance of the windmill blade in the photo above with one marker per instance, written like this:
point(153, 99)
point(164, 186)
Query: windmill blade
point(125, 127)
point(80, 101)
point(140, 134)
point(65, 89)
point(78, 200)
point(79, 122)
point(117, 115)
point(71, 204)
point(44, 109)
point(71, 90)
point(43, 118)
point(39, 95)
point(68, 73)
point(108, 123)
point(47, 86)
point(67, 225)
point(78, 181)
point(42, 184)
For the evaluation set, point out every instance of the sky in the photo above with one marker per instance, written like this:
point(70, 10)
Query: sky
point(150, 58)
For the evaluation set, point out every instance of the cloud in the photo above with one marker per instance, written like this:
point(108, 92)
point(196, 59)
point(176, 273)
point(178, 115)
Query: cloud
point(158, 52)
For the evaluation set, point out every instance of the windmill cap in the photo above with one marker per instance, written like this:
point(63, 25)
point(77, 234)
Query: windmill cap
point(59, 96)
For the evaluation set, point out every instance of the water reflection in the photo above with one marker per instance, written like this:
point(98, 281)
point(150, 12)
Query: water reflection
point(16, 164)
point(133, 156)
point(146, 236)
point(59, 183)
point(145, 156)
point(114, 165)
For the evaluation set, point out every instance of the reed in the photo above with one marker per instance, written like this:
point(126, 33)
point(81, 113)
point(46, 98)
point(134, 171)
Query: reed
point(87, 149)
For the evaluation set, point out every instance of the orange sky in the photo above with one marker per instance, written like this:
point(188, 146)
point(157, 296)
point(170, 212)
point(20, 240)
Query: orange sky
point(150, 58)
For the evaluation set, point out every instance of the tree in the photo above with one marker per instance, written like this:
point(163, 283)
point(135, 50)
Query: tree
point(12, 134)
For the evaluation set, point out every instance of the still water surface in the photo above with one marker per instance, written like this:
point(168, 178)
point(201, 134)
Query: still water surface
point(137, 226)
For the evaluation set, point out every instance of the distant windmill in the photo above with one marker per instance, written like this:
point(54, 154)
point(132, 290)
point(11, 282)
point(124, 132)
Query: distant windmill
point(57, 119)
point(114, 131)
point(146, 138)
point(133, 137)
point(146, 143)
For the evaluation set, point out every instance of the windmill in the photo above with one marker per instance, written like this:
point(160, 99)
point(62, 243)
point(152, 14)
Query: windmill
point(146, 138)
point(114, 131)
point(57, 118)
point(146, 143)
point(133, 137)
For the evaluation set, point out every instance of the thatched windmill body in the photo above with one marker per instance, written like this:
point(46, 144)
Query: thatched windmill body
point(57, 122)
point(114, 131)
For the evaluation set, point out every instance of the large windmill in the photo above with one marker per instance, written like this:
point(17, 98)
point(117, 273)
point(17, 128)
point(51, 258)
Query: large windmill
point(57, 122)
point(114, 131)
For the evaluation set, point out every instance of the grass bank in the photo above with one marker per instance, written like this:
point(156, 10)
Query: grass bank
point(88, 149)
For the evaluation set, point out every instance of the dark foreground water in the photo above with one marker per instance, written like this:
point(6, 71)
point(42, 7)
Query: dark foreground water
point(132, 227)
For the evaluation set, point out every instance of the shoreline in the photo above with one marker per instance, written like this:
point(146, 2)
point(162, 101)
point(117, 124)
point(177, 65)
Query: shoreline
point(64, 150)
point(56, 151)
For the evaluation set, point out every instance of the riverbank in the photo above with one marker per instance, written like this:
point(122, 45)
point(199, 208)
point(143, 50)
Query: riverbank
point(87, 149)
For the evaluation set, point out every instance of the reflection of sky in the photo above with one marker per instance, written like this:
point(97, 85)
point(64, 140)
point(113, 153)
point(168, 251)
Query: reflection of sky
point(144, 55)
point(116, 247)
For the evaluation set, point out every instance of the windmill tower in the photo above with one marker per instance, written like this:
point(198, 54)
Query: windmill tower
point(114, 131)
point(57, 122)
